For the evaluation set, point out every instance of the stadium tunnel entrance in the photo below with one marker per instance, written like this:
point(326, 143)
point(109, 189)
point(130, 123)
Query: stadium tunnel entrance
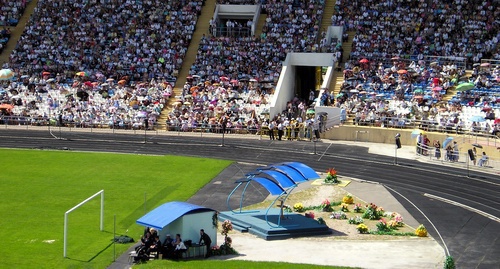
point(307, 78)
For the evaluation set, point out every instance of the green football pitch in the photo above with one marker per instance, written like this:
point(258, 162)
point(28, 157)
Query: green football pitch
point(38, 187)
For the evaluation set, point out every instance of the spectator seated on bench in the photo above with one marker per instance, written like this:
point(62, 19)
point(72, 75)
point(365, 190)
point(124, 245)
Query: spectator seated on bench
point(484, 160)
point(180, 247)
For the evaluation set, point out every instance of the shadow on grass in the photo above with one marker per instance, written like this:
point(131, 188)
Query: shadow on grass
point(93, 257)
point(138, 212)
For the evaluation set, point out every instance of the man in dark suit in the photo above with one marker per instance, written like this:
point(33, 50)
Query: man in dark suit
point(168, 247)
point(205, 240)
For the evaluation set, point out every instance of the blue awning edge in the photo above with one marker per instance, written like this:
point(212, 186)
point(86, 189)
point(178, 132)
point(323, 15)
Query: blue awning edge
point(167, 213)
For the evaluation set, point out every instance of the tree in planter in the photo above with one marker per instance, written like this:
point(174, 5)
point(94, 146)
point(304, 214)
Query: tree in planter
point(226, 248)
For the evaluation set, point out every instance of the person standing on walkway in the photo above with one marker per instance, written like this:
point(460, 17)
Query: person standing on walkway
point(206, 241)
point(455, 151)
point(420, 140)
point(437, 146)
point(280, 130)
point(271, 127)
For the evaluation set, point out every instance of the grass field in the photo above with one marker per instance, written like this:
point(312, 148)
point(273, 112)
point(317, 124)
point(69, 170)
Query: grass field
point(37, 187)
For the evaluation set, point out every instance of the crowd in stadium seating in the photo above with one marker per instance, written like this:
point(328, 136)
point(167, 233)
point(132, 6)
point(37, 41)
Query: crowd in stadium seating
point(289, 27)
point(455, 28)
point(237, 105)
point(233, 78)
point(11, 11)
point(394, 95)
point(86, 104)
point(139, 39)
point(238, 2)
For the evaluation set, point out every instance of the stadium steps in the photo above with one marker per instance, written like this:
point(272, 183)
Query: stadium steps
point(260, 24)
point(17, 31)
point(338, 78)
point(202, 25)
point(327, 15)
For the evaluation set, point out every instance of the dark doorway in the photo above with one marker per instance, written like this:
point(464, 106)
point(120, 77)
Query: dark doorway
point(305, 81)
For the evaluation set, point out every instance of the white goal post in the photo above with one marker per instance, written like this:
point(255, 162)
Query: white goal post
point(101, 192)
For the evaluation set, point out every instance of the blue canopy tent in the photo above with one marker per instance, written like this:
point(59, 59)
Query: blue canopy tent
point(278, 179)
point(180, 217)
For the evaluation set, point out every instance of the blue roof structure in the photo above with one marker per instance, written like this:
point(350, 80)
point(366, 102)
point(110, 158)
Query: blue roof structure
point(270, 185)
point(281, 178)
point(285, 175)
point(291, 172)
point(167, 213)
point(278, 179)
point(305, 170)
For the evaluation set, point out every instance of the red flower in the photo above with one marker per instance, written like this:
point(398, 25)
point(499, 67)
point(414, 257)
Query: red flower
point(331, 171)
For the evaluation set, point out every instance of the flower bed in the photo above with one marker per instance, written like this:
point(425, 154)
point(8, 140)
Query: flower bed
point(321, 199)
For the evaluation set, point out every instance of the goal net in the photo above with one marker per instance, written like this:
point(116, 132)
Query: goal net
point(101, 222)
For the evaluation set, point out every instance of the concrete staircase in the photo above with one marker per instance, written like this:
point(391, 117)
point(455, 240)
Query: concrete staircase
point(260, 24)
point(339, 76)
point(327, 14)
point(202, 28)
point(325, 23)
point(17, 31)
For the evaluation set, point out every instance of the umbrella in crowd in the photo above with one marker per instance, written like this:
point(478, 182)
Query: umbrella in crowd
point(6, 74)
point(447, 141)
point(419, 91)
point(224, 78)
point(416, 132)
point(477, 118)
point(82, 74)
point(402, 71)
point(395, 58)
point(364, 61)
point(465, 87)
point(485, 64)
point(45, 73)
point(122, 82)
point(437, 89)
point(6, 106)
point(310, 111)
point(50, 80)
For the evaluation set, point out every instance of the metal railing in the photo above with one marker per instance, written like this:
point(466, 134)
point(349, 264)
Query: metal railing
point(460, 158)
point(460, 62)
